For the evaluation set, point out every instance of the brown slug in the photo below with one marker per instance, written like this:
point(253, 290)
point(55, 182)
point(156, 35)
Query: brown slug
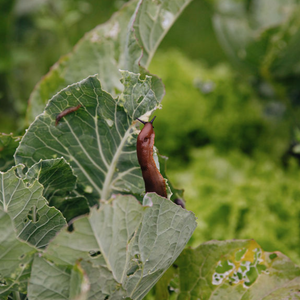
point(66, 112)
point(154, 182)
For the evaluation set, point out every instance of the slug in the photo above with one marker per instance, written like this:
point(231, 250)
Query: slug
point(154, 182)
point(66, 112)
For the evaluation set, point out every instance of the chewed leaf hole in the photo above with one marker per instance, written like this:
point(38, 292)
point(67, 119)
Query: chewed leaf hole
point(71, 228)
point(273, 256)
point(140, 99)
point(33, 214)
point(3, 282)
point(132, 270)
point(93, 253)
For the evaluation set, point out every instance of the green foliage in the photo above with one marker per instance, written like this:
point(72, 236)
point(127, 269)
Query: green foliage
point(85, 166)
point(230, 270)
point(125, 245)
point(239, 197)
point(211, 106)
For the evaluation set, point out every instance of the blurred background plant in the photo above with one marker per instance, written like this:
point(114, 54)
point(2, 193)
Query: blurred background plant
point(229, 122)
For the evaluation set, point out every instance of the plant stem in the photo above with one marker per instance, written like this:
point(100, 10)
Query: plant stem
point(16, 296)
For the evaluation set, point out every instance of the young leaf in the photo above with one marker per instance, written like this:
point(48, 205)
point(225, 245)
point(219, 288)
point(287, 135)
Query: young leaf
point(135, 243)
point(98, 140)
point(235, 270)
point(33, 219)
point(15, 258)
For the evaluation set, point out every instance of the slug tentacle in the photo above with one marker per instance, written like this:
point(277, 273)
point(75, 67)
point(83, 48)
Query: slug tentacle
point(154, 182)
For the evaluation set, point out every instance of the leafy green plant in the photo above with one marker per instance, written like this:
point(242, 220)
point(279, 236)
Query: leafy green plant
point(75, 222)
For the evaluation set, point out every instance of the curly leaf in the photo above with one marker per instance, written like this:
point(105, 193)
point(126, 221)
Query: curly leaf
point(33, 219)
point(59, 182)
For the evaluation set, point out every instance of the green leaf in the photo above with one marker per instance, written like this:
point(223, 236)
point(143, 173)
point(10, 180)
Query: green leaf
point(177, 194)
point(8, 146)
point(98, 140)
point(79, 283)
point(48, 281)
point(59, 182)
point(127, 41)
point(152, 22)
point(136, 244)
point(15, 258)
point(263, 39)
point(237, 269)
point(33, 219)
point(102, 284)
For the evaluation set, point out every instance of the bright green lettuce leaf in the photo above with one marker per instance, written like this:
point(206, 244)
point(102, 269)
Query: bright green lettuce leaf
point(59, 182)
point(8, 146)
point(15, 258)
point(33, 219)
point(134, 244)
point(127, 40)
point(236, 270)
point(98, 140)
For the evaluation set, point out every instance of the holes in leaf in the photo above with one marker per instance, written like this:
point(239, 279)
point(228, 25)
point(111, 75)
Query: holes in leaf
point(131, 237)
point(132, 270)
point(3, 282)
point(22, 256)
point(171, 289)
point(273, 255)
point(93, 253)
point(33, 215)
point(71, 227)
point(106, 297)
point(140, 99)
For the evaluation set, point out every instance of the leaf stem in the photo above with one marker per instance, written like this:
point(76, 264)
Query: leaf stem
point(16, 296)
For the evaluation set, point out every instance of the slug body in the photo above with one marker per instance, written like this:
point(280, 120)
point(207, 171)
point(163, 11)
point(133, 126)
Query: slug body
point(154, 182)
point(66, 112)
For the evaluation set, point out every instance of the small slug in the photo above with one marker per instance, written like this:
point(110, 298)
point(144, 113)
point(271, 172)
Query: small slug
point(154, 182)
point(66, 112)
